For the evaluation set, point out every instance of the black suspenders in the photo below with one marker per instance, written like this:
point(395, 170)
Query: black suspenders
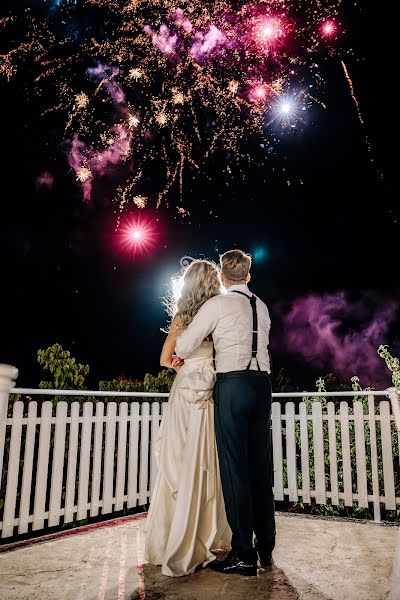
point(253, 302)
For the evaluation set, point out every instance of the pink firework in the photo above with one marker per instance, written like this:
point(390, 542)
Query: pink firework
point(137, 234)
point(268, 31)
point(258, 94)
point(328, 29)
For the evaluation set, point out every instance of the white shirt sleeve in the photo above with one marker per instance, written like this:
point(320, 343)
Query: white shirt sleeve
point(202, 325)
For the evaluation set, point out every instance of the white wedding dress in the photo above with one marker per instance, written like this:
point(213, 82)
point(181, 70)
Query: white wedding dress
point(186, 519)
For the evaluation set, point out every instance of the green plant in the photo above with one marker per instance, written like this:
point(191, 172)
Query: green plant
point(392, 363)
point(151, 383)
point(66, 372)
point(162, 382)
point(281, 382)
point(122, 384)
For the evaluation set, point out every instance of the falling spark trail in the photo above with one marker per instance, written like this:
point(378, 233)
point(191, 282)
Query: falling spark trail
point(308, 95)
point(359, 114)
point(352, 93)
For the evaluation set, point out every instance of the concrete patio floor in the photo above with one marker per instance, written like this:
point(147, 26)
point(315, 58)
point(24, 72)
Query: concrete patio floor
point(314, 559)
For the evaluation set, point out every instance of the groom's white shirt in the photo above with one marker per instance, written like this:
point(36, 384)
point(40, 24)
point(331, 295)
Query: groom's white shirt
point(228, 317)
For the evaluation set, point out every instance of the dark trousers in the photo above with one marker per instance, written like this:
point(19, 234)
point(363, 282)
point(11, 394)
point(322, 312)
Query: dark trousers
point(242, 428)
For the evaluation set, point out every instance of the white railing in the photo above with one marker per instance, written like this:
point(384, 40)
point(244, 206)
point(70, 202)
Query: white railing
point(79, 460)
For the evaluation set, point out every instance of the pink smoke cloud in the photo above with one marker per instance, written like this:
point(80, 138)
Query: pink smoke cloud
point(112, 155)
point(106, 74)
point(79, 155)
point(88, 162)
point(179, 19)
point(98, 162)
point(315, 329)
point(206, 43)
point(202, 44)
point(164, 40)
point(45, 179)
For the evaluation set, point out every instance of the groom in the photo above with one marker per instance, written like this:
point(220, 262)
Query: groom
point(239, 323)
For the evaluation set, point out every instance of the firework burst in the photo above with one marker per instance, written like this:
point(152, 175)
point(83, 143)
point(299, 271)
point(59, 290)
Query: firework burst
point(137, 235)
point(170, 84)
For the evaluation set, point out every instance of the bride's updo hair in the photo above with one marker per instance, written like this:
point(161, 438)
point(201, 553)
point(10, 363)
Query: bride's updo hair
point(200, 283)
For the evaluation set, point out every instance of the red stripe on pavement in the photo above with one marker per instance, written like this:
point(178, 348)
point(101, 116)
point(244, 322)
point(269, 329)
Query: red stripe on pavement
point(76, 531)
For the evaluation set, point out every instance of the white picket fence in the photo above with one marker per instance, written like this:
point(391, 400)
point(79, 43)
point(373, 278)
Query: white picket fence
point(357, 427)
point(79, 460)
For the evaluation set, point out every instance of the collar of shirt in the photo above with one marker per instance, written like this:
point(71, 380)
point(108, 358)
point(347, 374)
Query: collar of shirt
point(241, 287)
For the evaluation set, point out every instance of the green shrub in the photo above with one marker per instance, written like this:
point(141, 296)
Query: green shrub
point(122, 384)
point(67, 373)
point(159, 383)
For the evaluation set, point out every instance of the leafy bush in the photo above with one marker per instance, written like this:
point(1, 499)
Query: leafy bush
point(151, 383)
point(162, 382)
point(392, 363)
point(122, 384)
point(281, 382)
point(67, 373)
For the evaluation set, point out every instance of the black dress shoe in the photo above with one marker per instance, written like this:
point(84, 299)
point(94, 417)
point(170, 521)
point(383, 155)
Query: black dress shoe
point(265, 559)
point(233, 566)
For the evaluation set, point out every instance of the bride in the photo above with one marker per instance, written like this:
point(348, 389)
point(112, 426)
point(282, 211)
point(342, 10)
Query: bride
point(187, 518)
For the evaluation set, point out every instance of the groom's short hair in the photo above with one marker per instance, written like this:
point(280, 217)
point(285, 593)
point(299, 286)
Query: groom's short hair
point(235, 265)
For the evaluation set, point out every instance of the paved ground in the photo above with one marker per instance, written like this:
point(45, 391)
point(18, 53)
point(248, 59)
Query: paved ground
point(315, 559)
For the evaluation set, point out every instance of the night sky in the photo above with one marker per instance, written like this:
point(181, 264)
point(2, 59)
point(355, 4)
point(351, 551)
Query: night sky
point(65, 280)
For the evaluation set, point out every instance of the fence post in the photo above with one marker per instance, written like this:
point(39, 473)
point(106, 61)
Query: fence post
point(395, 402)
point(8, 374)
point(395, 578)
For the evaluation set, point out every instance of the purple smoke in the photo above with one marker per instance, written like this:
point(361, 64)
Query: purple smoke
point(90, 162)
point(179, 19)
point(164, 40)
point(45, 179)
point(99, 162)
point(206, 43)
point(202, 44)
point(114, 153)
point(314, 330)
point(78, 156)
point(106, 75)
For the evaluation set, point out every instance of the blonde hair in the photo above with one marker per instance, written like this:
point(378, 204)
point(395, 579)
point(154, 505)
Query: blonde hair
point(235, 265)
point(200, 283)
